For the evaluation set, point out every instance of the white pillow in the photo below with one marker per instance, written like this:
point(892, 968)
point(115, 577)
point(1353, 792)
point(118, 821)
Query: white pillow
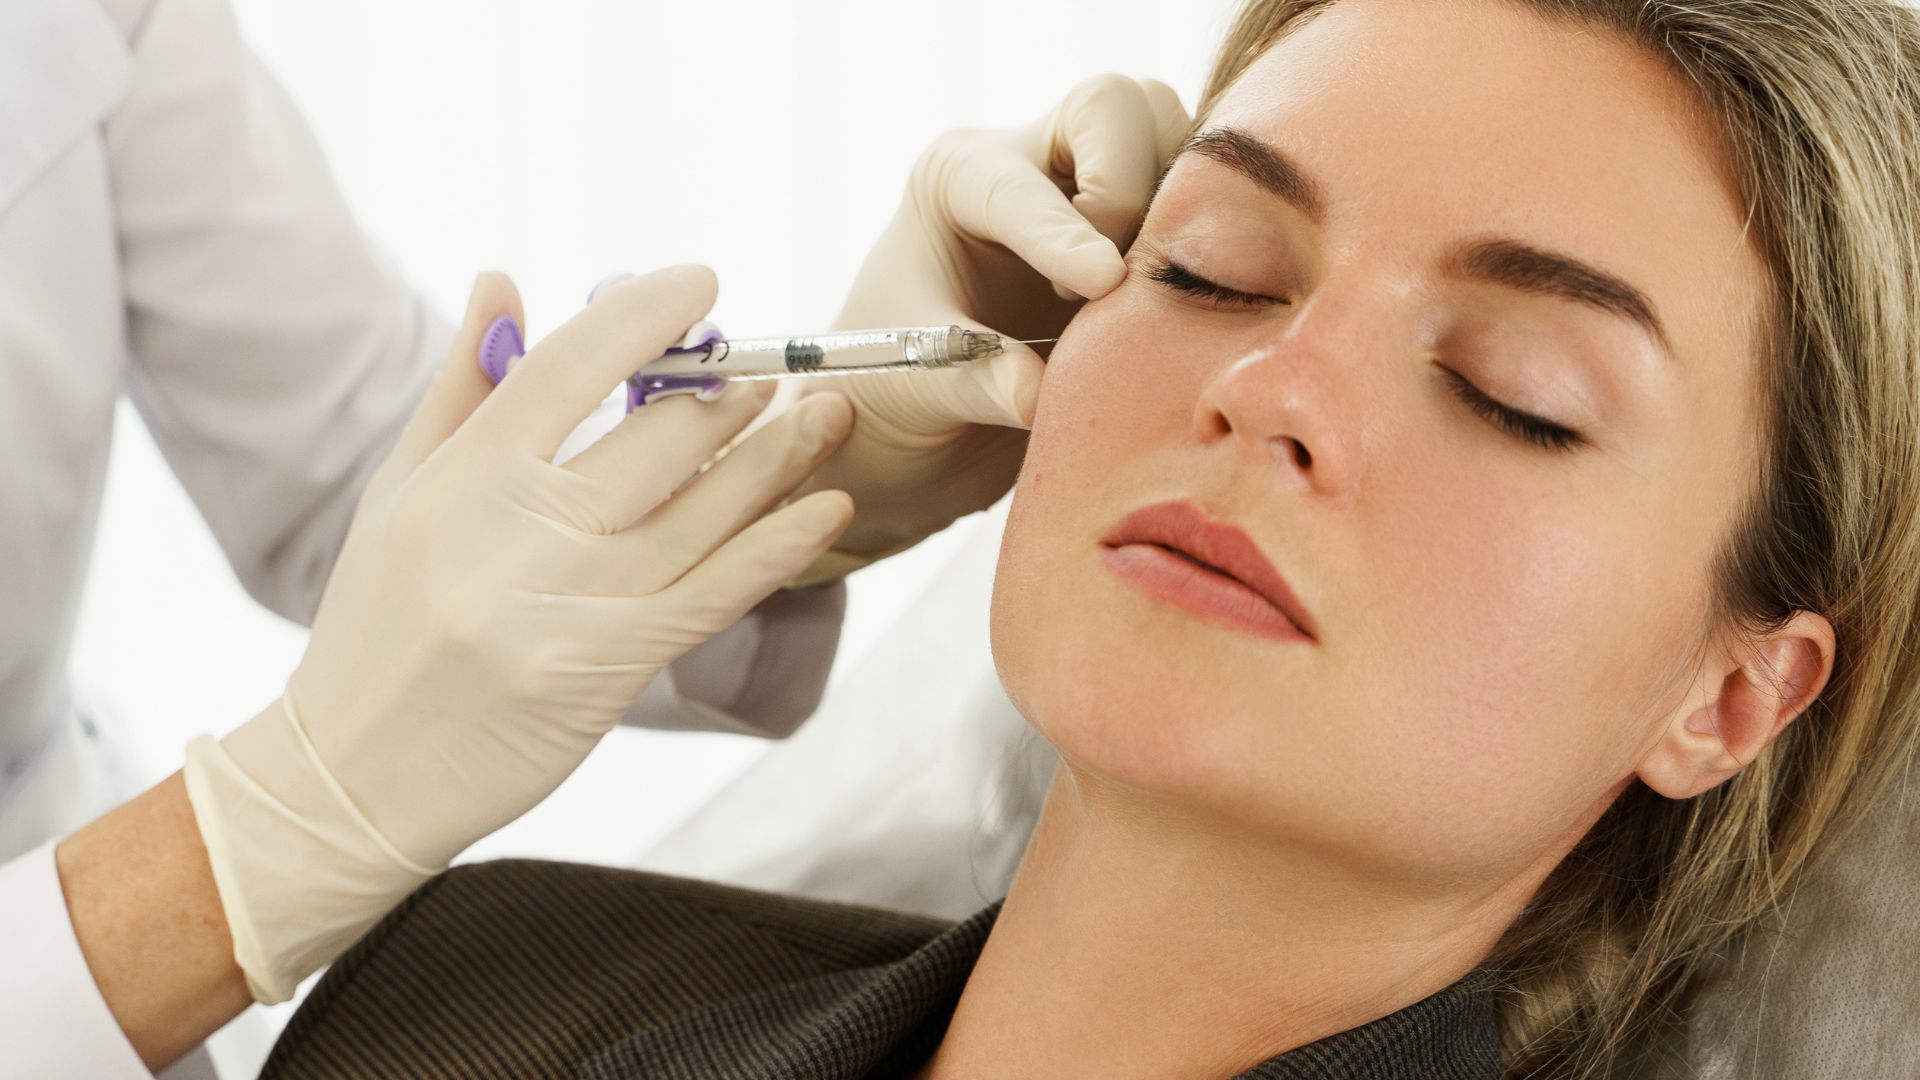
point(1832, 989)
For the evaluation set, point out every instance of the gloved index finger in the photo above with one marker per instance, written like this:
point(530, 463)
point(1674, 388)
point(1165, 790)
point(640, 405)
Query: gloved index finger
point(1171, 122)
point(458, 387)
point(550, 391)
point(998, 196)
point(1105, 134)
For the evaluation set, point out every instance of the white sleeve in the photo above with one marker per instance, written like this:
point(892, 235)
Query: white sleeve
point(276, 354)
point(53, 1021)
point(762, 676)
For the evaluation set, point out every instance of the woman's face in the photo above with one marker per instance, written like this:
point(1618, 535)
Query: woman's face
point(1403, 220)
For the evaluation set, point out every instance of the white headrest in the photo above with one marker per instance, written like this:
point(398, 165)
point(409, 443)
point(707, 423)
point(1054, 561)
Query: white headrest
point(1833, 989)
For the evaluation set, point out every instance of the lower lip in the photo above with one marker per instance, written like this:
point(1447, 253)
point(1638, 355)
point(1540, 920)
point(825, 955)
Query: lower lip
point(1165, 576)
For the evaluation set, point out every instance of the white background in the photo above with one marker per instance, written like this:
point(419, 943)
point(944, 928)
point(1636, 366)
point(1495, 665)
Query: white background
point(560, 140)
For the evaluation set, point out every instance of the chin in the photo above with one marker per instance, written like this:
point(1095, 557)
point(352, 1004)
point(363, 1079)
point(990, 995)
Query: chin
point(1118, 701)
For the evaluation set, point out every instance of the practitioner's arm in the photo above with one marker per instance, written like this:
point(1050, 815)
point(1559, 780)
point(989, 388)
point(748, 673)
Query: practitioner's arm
point(148, 921)
point(491, 616)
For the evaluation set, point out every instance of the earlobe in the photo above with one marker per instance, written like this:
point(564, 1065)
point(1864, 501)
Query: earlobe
point(1693, 755)
point(1748, 703)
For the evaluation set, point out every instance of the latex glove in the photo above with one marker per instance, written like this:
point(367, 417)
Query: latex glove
point(493, 614)
point(1005, 230)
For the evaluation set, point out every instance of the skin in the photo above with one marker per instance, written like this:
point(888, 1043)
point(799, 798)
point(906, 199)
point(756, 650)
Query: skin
point(1507, 635)
point(147, 916)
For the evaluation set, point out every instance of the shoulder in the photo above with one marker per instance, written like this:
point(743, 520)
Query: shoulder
point(1450, 1035)
point(541, 963)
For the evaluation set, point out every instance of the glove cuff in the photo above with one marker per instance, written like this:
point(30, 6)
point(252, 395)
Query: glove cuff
point(300, 871)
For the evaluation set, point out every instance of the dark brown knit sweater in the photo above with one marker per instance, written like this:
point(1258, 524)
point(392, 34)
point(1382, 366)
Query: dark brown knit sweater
point(539, 969)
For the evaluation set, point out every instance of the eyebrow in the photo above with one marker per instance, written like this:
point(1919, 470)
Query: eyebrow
point(1262, 164)
point(1505, 262)
point(1545, 273)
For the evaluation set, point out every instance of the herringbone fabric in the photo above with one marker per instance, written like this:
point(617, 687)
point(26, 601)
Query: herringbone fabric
point(537, 969)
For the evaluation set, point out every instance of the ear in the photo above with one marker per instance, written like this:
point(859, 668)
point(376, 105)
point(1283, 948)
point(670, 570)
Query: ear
point(1748, 695)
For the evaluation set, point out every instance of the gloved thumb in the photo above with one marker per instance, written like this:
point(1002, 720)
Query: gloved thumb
point(458, 387)
point(998, 196)
point(1003, 391)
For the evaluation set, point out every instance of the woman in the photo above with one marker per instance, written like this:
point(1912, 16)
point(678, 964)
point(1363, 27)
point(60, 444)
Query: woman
point(1467, 569)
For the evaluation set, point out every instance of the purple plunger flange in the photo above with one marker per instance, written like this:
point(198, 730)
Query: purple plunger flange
point(643, 388)
point(500, 346)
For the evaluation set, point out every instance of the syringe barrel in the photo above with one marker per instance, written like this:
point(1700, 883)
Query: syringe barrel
point(920, 346)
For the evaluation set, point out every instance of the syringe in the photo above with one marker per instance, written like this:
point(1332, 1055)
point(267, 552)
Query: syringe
point(709, 361)
point(704, 365)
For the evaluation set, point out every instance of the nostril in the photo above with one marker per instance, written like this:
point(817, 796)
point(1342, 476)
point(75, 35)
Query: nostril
point(1301, 455)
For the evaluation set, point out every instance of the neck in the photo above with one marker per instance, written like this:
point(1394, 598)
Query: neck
point(1137, 942)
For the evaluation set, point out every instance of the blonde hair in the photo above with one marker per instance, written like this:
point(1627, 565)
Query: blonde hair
point(1819, 105)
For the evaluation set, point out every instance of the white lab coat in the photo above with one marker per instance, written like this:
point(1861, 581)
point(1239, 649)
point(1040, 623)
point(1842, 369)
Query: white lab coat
point(169, 229)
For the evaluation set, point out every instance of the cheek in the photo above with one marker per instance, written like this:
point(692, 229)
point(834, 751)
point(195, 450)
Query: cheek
point(1110, 388)
point(1107, 429)
point(1111, 403)
point(1522, 640)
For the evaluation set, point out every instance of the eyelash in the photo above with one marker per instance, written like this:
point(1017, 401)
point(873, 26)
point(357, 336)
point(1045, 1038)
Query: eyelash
point(1180, 279)
point(1542, 433)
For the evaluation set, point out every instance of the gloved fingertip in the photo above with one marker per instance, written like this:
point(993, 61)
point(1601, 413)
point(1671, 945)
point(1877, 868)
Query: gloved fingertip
point(611, 279)
point(829, 415)
point(1005, 394)
point(491, 291)
point(1024, 395)
point(697, 276)
point(1098, 269)
point(473, 293)
point(830, 511)
point(500, 346)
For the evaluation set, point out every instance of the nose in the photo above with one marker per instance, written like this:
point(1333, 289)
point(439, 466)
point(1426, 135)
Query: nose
point(1292, 403)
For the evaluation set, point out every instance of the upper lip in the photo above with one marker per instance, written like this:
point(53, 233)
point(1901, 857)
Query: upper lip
point(1186, 529)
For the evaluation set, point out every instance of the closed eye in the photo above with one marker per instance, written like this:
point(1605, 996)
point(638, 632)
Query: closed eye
point(1543, 433)
point(1540, 432)
point(1182, 280)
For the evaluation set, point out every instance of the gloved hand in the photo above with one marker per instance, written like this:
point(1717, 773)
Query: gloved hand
point(1005, 230)
point(493, 614)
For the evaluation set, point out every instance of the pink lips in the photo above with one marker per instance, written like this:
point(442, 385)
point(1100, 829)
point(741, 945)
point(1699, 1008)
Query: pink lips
point(1174, 552)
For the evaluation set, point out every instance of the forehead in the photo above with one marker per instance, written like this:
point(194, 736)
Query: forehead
point(1429, 123)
